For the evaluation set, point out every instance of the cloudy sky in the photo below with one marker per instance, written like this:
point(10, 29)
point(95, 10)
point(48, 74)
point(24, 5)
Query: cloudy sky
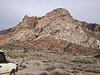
point(12, 11)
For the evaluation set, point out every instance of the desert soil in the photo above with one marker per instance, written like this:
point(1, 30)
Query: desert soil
point(53, 63)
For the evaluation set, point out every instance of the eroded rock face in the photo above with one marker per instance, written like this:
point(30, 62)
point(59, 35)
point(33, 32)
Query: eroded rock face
point(27, 22)
point(61, 25)
point(56, 25)
point(2, 41)
point(53, 15)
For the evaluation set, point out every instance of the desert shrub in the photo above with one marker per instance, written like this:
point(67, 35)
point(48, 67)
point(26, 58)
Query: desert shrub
point(43, 73)
point(87, 69)
point(11, 54)
point(97, 56)
point(58, 72)
point(84, 60)
point(50, 68)
point(92, 70)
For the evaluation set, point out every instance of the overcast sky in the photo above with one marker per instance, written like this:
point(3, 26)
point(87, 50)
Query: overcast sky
point(12, 11)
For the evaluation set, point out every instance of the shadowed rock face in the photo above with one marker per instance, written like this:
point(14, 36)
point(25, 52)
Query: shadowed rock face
point(56, 30)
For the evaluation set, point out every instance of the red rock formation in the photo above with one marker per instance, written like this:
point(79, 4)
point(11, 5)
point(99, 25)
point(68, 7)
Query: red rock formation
point(56, 31)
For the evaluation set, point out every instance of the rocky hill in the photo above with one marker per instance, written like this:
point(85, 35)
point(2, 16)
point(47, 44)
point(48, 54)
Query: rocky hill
point(56, 31)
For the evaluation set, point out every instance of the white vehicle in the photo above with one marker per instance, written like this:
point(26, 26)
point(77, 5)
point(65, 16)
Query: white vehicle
point(5, 66)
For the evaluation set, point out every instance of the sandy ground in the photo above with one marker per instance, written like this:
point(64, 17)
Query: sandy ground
point(48, 63)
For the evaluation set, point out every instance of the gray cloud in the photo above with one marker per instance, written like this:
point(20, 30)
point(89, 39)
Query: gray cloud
point(12, 11)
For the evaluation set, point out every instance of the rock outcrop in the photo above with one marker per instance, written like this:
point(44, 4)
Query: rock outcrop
point(56, 31)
